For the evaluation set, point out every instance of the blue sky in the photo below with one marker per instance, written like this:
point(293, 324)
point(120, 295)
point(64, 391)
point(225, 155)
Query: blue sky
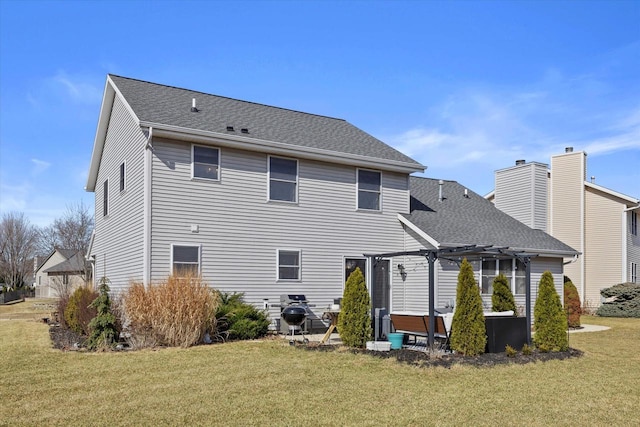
point(464, 87)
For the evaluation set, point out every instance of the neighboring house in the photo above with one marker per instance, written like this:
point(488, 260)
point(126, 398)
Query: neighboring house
point(601, 223)
point(60, 272)
point(259, 199)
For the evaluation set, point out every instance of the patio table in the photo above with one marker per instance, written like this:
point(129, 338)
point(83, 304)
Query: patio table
point(332, 315)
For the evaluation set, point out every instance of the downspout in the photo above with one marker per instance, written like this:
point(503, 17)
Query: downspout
point(146, 220)
point(625, 270)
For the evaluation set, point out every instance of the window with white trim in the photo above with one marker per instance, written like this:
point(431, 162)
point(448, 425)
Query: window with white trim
point(369, 189)
point(350, 265)
point(205, 162)
point(634, 223)
point(288, 265)
point(634, 273)
point(513, 269)
point(283, 179)
point(185, 260)
point(105, 198)
point(122, 182)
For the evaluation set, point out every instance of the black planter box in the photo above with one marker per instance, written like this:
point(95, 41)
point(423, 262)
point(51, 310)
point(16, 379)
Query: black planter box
point(505, 330)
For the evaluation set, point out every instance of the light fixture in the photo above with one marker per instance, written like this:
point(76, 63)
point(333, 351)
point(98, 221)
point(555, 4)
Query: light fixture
point(402, 271)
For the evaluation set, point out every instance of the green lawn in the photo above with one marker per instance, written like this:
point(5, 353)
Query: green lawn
point(270, 383)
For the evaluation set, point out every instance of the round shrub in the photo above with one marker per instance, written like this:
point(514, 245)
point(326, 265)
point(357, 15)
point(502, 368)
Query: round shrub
point(572, 303)
point(468, 331)
point(78, 312)
point(237, 320)
point(502, 298)
point(626, 301)
point(354, 323)
point(550, 321)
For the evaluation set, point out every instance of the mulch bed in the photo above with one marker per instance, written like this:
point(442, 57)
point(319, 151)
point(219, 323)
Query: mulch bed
point(65, 339)
point(424, 359)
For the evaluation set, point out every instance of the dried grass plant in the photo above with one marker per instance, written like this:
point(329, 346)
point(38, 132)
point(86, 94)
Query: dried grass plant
point(175, 312)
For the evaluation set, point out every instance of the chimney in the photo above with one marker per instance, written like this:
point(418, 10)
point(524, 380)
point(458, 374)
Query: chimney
point(568, 150)
point(520, 162)
point(440, 184)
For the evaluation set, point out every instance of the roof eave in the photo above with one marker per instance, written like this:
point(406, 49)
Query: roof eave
point(274, 147)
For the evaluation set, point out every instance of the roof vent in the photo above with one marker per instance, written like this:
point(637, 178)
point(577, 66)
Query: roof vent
point(593, 179)
point(193, 106)
point(244, 130)
point(568, 150)
point(230, 129)
point(440, 184)
point(466, 193)
point(520, 162)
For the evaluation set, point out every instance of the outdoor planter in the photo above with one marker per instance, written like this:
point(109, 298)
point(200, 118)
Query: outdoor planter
point(503, 330)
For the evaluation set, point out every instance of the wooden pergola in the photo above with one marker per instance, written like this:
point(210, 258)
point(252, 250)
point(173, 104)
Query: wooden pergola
point(456, 254)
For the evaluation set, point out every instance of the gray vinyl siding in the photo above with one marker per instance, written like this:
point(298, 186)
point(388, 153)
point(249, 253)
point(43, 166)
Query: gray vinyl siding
point(521, 191)
point(412, 294)
point(118, 242)
point(240, 230)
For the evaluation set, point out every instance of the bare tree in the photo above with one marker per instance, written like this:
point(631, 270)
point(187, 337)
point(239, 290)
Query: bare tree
point(17, 248)
point(74, 229)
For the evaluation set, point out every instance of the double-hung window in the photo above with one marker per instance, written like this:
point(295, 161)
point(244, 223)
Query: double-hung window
point(206, 162)
point(513, 270)
point(634, 223)
point(288, 265)
point(369, 189)
point(185, 260)
point(634, 273)
point(283, 179)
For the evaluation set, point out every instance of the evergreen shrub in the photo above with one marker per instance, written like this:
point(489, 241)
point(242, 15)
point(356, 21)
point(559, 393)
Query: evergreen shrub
point(625, 304)
point(176, 312)
point(237, 320)
point(78, 311)
point(354, 322)
point(550, 321)
point(572, 303)
point(104, 327)
point(468, 330)
point(502, 298)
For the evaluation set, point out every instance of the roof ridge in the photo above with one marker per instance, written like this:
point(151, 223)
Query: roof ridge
point(227, 97)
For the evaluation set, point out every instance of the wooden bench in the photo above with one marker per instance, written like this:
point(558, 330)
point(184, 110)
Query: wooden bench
point(417, 325)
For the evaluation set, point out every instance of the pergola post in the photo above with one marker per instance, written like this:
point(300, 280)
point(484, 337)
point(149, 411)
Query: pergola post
point(431, 258)
point(527, 269)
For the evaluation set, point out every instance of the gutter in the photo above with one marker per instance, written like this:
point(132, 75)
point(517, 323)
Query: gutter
point(146, 206)
point(279, 148)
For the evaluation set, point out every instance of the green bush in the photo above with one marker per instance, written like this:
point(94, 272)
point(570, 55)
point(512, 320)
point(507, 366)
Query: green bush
point(511, 352)
point(625, 304)
point(237, 320)
point(502, 298)
point(104, 327)
point(354, 322)
point(550, 321)
point(78, 312)
point(526, 349)
point(468, 331)
point(572, 303)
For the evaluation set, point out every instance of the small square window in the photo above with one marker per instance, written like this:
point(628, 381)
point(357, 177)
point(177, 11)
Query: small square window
point(185, 260)
point(288, 265)
point(206, 162)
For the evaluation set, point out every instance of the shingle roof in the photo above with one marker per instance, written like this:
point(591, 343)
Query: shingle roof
point(171, 106)
point(74, 264)
point(458, 220)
